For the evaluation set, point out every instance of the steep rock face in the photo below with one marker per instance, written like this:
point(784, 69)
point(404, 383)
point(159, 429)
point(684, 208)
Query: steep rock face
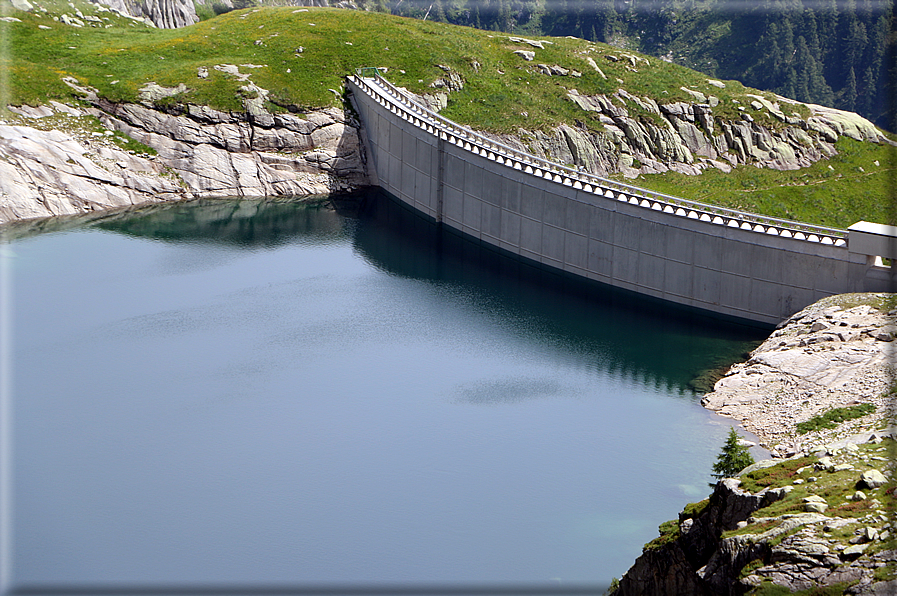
point(165, 14)
point(794, 550)
point(687, 138)
point(220, 154)
point(55, 173)
point(200, 153)
point(677, 567)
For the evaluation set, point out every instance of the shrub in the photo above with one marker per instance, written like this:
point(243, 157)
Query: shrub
point(833, 417)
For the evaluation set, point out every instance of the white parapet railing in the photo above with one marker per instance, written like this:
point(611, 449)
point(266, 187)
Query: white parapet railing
point(406, 107)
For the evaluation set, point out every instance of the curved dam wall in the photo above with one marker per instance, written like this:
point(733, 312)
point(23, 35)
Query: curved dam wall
point(728, 262)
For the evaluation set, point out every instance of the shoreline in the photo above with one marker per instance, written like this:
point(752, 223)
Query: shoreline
point(830, 354)
point(67, 160)
point(836, 353)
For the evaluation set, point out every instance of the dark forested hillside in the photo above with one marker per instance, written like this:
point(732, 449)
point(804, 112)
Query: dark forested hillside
point(839, 53)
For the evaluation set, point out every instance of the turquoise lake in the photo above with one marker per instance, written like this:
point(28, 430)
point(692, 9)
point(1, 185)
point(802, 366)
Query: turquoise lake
point(265, 392)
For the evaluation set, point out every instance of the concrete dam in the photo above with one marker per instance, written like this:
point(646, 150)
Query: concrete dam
point(729, 262)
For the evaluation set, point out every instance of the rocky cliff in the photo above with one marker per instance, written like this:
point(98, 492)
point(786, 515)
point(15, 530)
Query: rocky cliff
point(190, 151)
point(821, 517)
point(783, 537)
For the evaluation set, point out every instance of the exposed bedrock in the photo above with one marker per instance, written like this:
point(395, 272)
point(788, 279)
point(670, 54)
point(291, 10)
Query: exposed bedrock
point(199, 153)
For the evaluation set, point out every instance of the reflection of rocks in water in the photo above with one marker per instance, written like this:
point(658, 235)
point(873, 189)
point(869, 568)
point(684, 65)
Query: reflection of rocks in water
point(510, 391)
point(229, 220)
point(237, 221)
point(25, 228)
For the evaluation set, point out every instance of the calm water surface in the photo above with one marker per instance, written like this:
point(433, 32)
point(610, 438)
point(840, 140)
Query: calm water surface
point(269, 392)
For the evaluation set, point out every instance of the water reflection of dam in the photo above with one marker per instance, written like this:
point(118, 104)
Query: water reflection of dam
point(732, 263)
point(635, 339)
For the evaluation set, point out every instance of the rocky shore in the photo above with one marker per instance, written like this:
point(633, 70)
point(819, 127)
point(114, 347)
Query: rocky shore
point(837, 352)
point(820, 515)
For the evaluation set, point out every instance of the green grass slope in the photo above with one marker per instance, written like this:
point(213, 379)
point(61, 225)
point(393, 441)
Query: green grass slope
point(502, 91)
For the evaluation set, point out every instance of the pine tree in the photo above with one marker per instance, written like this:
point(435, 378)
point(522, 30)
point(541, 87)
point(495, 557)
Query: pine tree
point(804, 63)
point(733, 458)
point(854, 41)
point(764, 73)
point(849, 93)
point(869, 93)
point(504, 15)
point(439, 12)
point(606, 19)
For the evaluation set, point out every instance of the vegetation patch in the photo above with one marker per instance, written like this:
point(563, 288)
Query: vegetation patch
point(750, 568)
point(885, 573)
point(832, 418)
point(832, 192)
point(771, 589)
point(669, 531)
point(881, 302)
point(755, 528)
point(778, 475)
point(695, 509)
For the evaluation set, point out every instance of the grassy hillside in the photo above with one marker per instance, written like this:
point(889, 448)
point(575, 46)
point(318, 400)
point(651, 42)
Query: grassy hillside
point(120, 59)
point(304, 54)
point(835, 192)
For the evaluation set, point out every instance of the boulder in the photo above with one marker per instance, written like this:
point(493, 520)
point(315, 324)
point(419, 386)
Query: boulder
point(531, 42)
point(152, 92)
point(872, 479)
point(824, 464)
point(697, 95)
point(852, 552)
point(695, 140)
point(815, 504)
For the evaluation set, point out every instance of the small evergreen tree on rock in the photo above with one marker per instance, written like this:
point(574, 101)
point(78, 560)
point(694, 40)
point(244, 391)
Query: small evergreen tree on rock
point(733, 458)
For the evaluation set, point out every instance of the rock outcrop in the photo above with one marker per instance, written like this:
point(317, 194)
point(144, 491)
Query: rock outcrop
point(672, 566)
point(828, 520)
point(641, 136)
point(199, 152)
point(688, 138)
point(722, 546)
point(52, 172)
point(217, 153)
point(835, 353)
point(164, 14)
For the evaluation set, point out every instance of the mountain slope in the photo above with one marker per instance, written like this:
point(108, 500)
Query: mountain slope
point(590, 105)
